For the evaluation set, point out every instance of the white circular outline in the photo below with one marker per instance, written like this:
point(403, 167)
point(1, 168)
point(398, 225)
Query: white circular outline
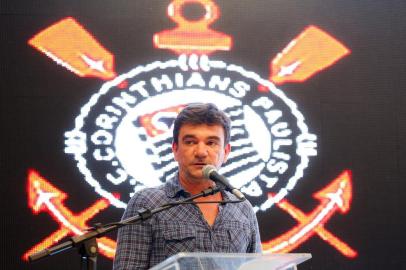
point(208, 64)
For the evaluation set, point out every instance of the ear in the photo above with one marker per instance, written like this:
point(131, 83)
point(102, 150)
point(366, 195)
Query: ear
point(175, 150)
point(227, 150)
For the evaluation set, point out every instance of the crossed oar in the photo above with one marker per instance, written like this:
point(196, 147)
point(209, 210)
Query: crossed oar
point(43, 196)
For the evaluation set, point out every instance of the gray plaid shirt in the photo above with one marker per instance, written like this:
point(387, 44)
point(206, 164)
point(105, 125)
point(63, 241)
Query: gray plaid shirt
point(183, 229)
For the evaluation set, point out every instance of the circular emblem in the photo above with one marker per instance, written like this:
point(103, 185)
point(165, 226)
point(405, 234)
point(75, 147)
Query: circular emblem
point(122, 137)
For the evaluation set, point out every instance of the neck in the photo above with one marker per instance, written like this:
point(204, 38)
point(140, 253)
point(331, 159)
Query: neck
point(195, 186)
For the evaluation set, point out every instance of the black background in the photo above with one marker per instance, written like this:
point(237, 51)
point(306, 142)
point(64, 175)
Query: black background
point(356, 108)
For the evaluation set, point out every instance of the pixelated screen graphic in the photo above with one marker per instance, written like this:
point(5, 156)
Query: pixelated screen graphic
point(313, 89)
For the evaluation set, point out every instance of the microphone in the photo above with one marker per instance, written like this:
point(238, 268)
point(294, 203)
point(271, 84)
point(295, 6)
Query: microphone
point(210, 172)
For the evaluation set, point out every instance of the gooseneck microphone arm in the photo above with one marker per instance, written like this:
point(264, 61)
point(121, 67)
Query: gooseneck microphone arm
point(87, 245)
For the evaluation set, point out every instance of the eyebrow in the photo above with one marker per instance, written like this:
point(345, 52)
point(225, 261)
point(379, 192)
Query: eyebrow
point(214, 137)
point(189, 136)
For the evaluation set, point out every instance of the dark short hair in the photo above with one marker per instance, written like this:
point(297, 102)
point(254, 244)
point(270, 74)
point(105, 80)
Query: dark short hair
point(202, 113)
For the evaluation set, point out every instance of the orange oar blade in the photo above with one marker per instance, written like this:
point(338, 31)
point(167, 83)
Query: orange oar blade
point(310, 52)
point(71, 46)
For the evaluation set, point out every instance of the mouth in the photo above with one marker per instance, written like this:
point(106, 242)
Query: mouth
point(199, 164)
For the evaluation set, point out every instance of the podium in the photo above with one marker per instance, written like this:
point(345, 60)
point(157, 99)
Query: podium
point(232, 261)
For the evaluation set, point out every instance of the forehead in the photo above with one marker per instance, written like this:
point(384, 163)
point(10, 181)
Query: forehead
point(201, 131)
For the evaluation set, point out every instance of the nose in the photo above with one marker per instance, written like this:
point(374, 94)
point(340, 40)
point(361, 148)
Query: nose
point(201, 150)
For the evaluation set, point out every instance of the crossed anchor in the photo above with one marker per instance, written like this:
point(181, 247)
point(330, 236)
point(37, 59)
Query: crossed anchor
point(336, 196)
point(43, 196)
point(83, 55)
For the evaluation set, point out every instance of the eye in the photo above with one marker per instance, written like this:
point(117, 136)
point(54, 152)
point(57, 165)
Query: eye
point(212, 143)
point(189, 142)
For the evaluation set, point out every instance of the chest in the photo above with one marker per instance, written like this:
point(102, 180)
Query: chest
point(173, 236)
point(200, 228)
point(209, 212)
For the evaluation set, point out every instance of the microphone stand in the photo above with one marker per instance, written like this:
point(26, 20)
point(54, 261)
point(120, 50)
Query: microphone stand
point(87, 245)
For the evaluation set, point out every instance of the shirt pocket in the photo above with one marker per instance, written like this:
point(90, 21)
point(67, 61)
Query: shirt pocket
point(239, 240)
point(179, 239)
point(239, 236)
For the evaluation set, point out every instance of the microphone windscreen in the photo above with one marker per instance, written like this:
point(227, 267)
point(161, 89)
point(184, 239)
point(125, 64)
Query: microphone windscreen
point(207, 170)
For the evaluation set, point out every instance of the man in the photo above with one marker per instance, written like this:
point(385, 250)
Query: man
point(201, 136)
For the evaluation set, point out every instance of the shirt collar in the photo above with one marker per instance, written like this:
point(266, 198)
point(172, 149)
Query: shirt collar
point(173, 188)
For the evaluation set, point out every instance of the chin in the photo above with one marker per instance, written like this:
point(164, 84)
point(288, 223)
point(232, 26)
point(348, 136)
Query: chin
point(197, 176)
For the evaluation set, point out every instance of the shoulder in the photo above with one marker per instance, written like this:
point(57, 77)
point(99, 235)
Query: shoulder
point(148, 198)
point(248, 209)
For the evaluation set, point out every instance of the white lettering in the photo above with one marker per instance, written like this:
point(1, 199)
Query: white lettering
point(158, 83)
point(277, 166)
point(105, 121)
point(196, 79)
point(102, 137)
point(120, 177)
point(75, 142)
point(281, 155)
point(307, 144)
point(113, 110)
point(263, 102)
point(270, 181)
point(139, 86)
point(253, 189)
point(179, 80)
point(281, 130)
point(124, 100)
point(240, 89)
point(222, 85)
point(281, 142)
point(107, 155)
point(272, 116)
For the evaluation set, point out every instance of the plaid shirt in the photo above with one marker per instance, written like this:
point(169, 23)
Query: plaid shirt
point(182, 229)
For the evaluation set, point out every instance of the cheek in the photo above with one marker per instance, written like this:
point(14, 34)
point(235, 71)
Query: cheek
point(218, 155)
point(181, 154)
point(222, 156)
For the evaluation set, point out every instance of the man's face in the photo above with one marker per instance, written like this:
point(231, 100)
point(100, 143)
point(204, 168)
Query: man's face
point(199, 145)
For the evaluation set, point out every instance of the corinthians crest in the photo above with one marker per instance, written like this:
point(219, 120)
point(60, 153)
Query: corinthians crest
point(124, 135)
point(121, 137)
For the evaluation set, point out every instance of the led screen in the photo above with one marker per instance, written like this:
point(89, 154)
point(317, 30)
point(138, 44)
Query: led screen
point(313, 88)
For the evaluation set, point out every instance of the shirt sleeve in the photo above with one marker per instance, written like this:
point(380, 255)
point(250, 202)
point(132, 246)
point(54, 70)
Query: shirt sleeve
point(133, 241)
